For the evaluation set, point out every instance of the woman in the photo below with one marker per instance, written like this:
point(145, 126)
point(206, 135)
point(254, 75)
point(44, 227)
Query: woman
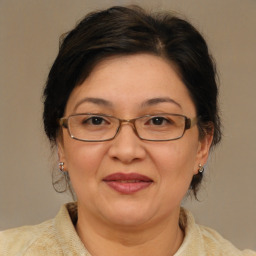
point(131, 104)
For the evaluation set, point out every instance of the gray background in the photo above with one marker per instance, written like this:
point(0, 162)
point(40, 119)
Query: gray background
point(29, 32)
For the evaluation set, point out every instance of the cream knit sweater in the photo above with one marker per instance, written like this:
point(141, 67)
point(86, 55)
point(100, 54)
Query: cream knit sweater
point(58, 237)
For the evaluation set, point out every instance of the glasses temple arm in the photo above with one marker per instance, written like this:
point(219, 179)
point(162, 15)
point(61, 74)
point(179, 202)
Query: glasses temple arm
point(63, 122)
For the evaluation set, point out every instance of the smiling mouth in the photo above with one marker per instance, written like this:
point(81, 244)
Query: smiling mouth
point(127, 183)
point(130, 181)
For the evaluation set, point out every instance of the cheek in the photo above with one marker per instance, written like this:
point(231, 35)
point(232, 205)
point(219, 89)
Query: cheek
point(83, 159)
point(175, 163)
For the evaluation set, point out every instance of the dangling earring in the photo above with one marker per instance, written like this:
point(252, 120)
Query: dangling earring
point(61, 167)
point(201, 169)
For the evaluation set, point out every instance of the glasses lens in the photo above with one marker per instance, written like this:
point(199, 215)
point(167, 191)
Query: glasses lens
point(161, 127)
point(92, 127)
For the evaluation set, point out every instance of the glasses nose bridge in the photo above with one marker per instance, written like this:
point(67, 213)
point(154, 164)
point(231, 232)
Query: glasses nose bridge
point(130, 122)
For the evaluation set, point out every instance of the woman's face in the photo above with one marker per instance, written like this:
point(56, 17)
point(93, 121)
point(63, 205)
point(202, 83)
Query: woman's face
point(105, 175)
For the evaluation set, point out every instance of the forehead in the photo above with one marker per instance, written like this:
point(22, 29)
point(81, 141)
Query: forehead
point(128, 81)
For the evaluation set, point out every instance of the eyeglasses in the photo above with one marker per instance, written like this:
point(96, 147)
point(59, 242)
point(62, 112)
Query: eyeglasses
point(99, 127)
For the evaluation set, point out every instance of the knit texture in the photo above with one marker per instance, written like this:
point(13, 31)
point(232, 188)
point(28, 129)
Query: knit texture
point(58, 237)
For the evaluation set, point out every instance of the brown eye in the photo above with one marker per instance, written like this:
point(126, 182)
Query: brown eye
point(158, 120)
point(95, 120)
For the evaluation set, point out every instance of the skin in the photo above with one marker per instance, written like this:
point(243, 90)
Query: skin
point(145, 222)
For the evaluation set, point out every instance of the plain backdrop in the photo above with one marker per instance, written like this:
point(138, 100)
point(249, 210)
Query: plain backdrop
point(29, 32)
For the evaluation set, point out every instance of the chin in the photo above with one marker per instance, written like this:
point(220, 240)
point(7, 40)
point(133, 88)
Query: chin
point(129, 215)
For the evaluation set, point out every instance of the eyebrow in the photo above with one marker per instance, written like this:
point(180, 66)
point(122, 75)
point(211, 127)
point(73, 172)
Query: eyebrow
point(97, 101)
point(106, 103)
point(155, 101)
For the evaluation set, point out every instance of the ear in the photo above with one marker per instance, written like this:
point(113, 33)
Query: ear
point(61, 151)
point(203, 151)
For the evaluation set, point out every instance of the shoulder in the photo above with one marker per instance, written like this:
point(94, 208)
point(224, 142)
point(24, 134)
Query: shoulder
point(201, 240)
point(53, 237)
point(215, 244)
point(29, 240)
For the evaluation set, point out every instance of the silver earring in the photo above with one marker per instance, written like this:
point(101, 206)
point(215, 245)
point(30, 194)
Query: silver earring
point(201, 169)
point(61, 167)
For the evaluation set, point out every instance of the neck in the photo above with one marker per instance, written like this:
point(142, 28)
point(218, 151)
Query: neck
point(161, 238)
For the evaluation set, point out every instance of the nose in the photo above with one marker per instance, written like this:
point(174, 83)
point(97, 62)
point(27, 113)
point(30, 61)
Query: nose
point(126, 146)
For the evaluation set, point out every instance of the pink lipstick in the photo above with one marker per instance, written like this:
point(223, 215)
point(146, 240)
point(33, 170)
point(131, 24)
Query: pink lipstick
point(127, 183)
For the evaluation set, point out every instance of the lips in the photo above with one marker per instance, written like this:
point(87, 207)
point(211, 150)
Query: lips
point(127, 183)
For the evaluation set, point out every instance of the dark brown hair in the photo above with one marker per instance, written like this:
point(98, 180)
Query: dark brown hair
point(126, 31)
